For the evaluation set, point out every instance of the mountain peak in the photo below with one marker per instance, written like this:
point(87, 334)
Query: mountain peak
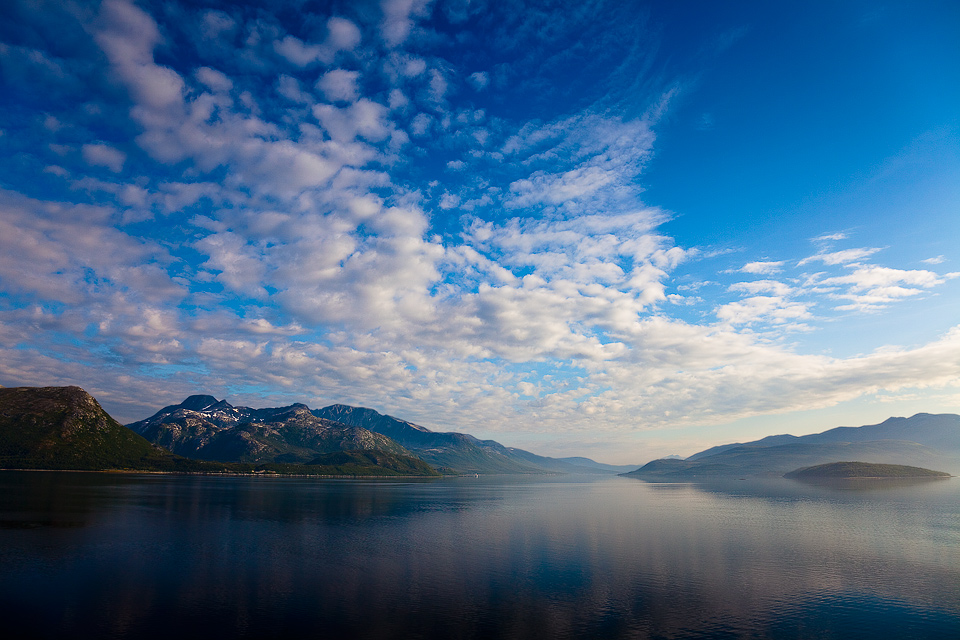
point(198, 402)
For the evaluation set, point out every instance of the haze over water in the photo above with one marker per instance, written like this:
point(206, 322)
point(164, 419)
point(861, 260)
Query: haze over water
point(129, 556)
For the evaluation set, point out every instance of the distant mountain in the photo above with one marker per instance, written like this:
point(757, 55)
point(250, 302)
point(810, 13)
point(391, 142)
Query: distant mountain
point(205, 428)
point(939, 431)
point(924, 440)
point(864, 470)
point(461, 452)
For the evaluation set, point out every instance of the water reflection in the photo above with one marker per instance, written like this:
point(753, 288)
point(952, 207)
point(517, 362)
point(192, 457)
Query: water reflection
point(476, 558)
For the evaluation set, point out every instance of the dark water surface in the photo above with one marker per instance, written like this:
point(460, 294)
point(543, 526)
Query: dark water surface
point(146, 556)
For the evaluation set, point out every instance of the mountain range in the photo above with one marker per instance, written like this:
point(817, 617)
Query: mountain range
point(65, 428)
point(923, 440)
point(205, 428)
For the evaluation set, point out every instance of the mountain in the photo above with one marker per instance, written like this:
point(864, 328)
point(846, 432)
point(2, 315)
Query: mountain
point(454, 452)
point(939, 431)
point(205, 428)
point(65, 428)
point(924, 440)
point(460, 452)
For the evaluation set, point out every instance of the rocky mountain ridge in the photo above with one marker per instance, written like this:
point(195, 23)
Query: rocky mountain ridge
point(205, 428)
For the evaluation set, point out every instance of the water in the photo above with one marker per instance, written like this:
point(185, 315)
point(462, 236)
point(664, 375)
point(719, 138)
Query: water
point(142, 556)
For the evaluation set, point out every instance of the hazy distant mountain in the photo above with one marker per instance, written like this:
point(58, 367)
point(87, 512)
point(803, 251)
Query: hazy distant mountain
point(461, 452)
point(924, 440)
point(939, 431)
point(205, 428)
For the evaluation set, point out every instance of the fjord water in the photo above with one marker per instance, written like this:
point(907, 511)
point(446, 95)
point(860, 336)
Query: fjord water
point(134, 556)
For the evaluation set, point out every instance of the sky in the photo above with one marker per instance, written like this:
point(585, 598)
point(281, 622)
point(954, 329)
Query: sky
point(614, 229)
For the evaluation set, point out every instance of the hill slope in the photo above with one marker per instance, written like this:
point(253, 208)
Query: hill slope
point(65, 428)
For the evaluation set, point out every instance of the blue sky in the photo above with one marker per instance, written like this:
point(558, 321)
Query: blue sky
point(620, 230)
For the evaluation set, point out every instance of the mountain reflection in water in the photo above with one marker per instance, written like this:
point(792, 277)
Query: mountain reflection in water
point(133, 556)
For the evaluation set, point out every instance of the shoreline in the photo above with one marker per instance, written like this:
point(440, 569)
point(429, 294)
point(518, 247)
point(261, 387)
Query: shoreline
point(255, 474)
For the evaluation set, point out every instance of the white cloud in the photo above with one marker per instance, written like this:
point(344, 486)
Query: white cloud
point(343, 35)
point(827, 237)
point(128, 37)
point(479, 80)
point(937, 260)
point(339, 84)
point(763, 268)
point(298, 52)
point(761, 286)
point(840, 257)
point(774, 309)
point(542, 187)
point(215, 24)
point(449, 201)
point(398, 19)
point(290, 89)
point(213, 79)
point(101, 155)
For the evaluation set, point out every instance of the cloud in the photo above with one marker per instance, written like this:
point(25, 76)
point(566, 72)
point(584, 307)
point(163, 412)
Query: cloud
point(398, 19)
point(128, 37)
point(214, 80)
point(763, 268)
point(840, 257)
point(937, 260)
point(101, 155)
point(339, 84)
point(343, 35)
point(827, 237)
point(775, 309)
point(871, 288)
point(289, 88)
point(547, 188)
point(298, 52)
point(760, 286)
point(479, 80)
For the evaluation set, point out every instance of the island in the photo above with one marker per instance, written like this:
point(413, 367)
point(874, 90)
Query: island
point(862, 470)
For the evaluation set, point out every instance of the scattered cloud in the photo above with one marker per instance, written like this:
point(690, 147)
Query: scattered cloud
point(342, 211)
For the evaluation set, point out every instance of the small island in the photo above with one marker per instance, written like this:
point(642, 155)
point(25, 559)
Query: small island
point(862, 470)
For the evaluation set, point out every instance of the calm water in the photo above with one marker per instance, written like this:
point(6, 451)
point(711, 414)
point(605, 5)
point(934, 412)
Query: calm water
point(134, 556)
